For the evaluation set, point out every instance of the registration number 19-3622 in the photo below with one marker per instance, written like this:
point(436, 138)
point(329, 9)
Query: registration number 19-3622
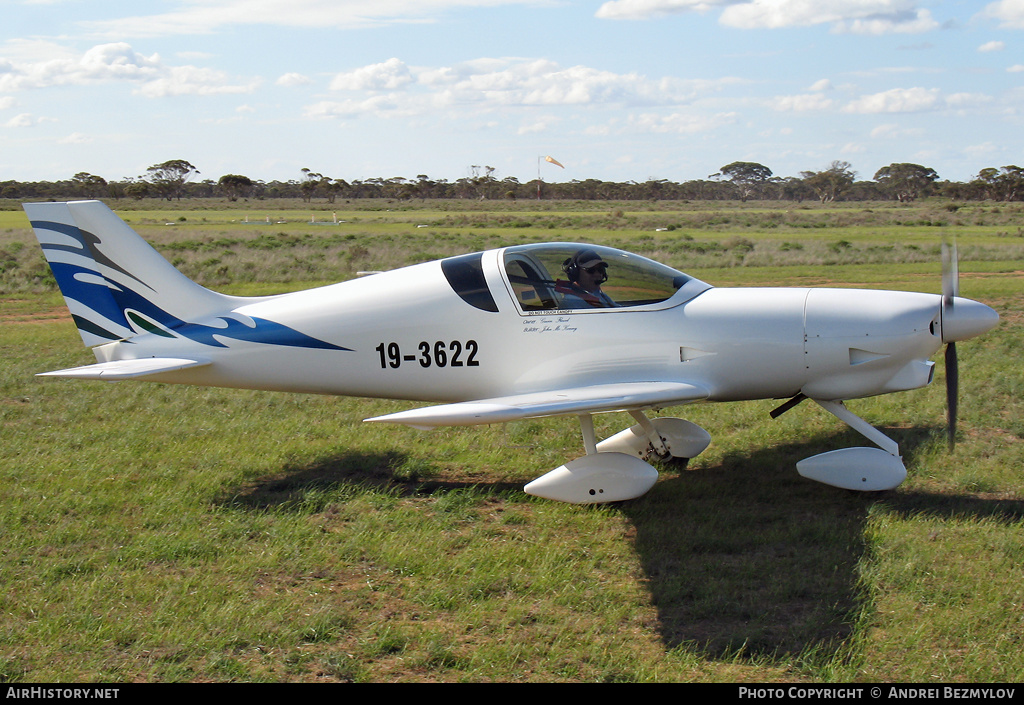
point(453, 353)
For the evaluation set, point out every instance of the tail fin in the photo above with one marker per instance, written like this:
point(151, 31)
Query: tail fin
point(115, 285)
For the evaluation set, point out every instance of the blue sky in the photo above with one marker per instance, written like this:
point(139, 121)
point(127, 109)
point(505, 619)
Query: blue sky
point(615, 90)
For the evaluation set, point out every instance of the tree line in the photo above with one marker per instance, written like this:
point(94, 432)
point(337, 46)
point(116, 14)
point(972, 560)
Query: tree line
point(744, 181)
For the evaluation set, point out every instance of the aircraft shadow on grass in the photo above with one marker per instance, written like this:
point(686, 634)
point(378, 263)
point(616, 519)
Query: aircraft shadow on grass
point(749, 558)
point(391, 471)
point(743, 559)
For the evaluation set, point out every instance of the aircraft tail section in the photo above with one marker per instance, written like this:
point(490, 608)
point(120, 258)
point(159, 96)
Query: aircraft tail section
point(115, 285)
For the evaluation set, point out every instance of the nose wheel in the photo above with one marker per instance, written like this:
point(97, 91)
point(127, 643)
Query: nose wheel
point(863, 469)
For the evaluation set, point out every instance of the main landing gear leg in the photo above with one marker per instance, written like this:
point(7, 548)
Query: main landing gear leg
point(839, 410)
point(663, 437)
point(864, 469)
point(589, 438)
point(658, 446)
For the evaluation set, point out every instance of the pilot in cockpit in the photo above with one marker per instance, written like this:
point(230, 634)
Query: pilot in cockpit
point(587, 272)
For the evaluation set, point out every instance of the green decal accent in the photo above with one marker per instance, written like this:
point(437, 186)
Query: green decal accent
point(146, 325)
point(90, 327)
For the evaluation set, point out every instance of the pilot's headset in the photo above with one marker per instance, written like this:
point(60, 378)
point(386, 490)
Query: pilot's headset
point(584, 259)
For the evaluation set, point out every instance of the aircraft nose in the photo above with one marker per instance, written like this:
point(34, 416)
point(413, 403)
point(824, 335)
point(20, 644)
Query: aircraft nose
point(965, 318)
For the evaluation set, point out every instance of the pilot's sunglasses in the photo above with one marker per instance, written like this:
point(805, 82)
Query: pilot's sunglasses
point(596, 268)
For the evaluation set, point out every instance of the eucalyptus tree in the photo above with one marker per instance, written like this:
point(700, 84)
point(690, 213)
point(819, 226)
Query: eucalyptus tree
point(1003, 184)
point(748, 177)
point(235, 186)
point(310, 181)
point(89, 185)
point(832, 182)
point(905, 181)
point(169, 178)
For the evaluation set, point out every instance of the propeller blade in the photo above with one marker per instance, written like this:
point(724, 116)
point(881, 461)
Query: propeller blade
point(952, 391)
point(950, 273)
point(950, 290)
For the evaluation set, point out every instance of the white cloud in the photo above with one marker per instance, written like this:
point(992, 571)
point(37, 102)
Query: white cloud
point(898, 22)
point(821, 85)
point(208, 16)
point(886, 130)
point(496, 83)
point(293, 80)
point(22, 120)
point(75, 138)
point(533, 128)
point(992, 46)
point(387, 76)
point(382, 105)
point(116, 62)
point(967, 100)
point(892, 131)
point(192, 80)
point(858, 17)
point(1016, 68)
point(646, 9)
point(34, 50)
point(480, 88)
point(983, 150)
point(1009, 13)
point(678, 123)
point(195, 55)
point(26, 120)
point(104, 62)
point(802, 103)
point(896, 100)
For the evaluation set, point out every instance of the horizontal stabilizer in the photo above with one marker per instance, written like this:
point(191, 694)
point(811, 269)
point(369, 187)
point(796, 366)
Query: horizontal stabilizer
point(578, 400)
point(127, 369)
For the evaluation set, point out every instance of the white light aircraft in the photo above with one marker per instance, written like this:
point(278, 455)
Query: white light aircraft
point(518, 333)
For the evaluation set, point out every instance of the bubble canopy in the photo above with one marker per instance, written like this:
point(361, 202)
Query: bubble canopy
point(545, 277)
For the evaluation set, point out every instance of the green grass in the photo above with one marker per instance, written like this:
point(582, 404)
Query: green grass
point(282, 242)
point(162, 533)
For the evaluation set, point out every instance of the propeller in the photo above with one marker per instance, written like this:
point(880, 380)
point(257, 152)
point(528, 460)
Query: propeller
point(950, 290)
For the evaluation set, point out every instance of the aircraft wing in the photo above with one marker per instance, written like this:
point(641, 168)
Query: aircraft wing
point(127, 369)
point(577, 400)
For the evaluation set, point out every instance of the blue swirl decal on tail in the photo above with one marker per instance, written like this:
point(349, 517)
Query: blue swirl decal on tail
point(112, 305)
point(267, 332)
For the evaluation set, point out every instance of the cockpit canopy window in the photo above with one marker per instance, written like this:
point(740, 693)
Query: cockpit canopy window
point(465, 274)
point(540, 280)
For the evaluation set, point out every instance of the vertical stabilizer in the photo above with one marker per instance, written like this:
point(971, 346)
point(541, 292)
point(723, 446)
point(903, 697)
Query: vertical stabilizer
point(115, 285)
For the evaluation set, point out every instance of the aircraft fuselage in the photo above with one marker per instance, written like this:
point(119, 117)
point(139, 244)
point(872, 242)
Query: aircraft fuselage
point(407, 334)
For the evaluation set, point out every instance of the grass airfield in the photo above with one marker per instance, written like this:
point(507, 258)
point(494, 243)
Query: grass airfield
point(163, 533)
